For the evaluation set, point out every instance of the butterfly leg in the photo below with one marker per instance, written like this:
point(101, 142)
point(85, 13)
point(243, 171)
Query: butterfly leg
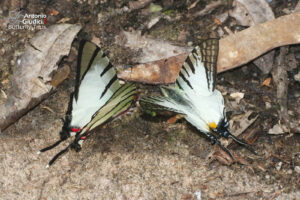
point(215, 140)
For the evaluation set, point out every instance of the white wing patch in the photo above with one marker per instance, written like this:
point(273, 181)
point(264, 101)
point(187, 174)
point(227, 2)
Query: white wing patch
point(96, 87)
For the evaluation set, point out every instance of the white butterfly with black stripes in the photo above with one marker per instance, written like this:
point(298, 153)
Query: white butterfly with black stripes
point(194, 95)
point(98, 97)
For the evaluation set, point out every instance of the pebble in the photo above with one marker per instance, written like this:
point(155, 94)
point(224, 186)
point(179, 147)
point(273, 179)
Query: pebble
point(268, 105)
point(267, 176)
point(297, 77)
point(278, 166)
point(297, 169)
point(2, 52)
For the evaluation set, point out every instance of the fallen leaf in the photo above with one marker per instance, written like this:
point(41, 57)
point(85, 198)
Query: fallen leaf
point(234, 50)
point(134, 5)
point(31, 81)
point(237, 96)
point(3, 94)
point(249, 13)
point(150, 49)
point(52, 12)
point(174, 119)
point(60, 75)
point(155, 8)
point(217, 21)
point(240, 123)
point(64, 20)
point(208, 8)
point(266, 82)
point(276, 130)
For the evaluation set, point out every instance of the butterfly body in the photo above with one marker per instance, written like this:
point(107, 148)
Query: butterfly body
point(194, 94)
point(98, 97)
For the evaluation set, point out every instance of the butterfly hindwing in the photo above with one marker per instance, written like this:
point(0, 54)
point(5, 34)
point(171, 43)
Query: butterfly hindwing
point(198, 72)
point(120, 102)
point(173, 100)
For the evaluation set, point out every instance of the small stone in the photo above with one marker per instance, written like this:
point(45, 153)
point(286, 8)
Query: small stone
point(289, 171)
point(125, 8)
point(297, 77)
point(190, 43)
point(297, 169)
point(268, 105)
point(267, 176)
point(278, 166)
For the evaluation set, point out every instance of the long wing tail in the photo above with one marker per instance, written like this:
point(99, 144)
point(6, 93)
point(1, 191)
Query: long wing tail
point(159, 103)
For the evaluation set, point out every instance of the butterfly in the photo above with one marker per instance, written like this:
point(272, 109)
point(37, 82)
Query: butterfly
point(98, 97)
point(194, 95)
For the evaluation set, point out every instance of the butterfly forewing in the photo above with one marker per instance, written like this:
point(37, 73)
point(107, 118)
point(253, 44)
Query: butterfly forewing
point(97, 84)
point(198, 72)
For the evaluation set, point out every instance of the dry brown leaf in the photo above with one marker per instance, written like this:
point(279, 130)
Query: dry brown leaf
point(134, 5)
point(52, 12)
point(150, 49)
point(174, 119)
point(32, 77)
point(235, 50)
point(267, 82)
point(249, 13)
point(60, 75)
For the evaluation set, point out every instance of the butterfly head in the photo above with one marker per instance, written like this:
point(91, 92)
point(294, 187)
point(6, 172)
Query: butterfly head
point(220, 129)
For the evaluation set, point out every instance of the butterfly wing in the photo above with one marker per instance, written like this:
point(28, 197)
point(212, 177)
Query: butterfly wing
point(173, 100)
point(198, 73)
point(119, 103)
point(196, 78)
point(96, 84)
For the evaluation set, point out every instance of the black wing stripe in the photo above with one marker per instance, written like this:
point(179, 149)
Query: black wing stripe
point(120, 90)
point(130, 91)
point(127, 98)
point(91, 62)
point(183, 77)
point(83, 45)
point(190, 63)
point(106, 69)
point(108, 85)
point(183, 67)
point(177, 82)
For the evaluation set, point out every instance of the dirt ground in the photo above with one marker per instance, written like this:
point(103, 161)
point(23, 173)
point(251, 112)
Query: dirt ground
point(138, 156)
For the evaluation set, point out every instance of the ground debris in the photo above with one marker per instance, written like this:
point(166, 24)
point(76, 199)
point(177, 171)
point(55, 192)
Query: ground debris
point(31, 80)
point(234, 50)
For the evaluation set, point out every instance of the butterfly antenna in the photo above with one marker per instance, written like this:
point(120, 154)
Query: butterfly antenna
point(57, 156)
point(50, 147)
point(243, 143)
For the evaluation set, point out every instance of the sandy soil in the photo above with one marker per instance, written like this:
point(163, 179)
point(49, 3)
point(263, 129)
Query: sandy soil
point(138, 157)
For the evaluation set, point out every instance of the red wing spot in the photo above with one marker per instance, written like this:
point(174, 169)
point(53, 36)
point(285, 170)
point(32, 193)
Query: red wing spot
point(75, 129)
point(84, 137)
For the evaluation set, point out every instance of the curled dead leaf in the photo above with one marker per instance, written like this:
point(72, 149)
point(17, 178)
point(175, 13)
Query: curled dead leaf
point(33, 74)
point(234, 50)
